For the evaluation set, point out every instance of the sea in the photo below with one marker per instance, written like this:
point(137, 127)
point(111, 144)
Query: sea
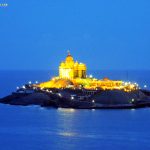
point(38, 128)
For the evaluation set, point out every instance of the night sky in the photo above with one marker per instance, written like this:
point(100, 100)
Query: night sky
point(104, 34)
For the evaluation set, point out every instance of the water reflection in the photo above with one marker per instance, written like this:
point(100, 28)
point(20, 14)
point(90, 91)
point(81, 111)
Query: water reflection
point(67, 134)
point(66, 110)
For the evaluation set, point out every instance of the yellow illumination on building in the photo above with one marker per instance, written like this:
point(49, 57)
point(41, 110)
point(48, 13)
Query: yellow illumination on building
point(71, 70)
point(73, 75)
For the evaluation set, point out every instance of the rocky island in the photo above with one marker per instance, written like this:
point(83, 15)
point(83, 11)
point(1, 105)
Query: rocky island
point(74, 89)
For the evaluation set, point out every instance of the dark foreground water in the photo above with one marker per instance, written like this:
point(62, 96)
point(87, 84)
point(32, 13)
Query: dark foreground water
point(36, 128)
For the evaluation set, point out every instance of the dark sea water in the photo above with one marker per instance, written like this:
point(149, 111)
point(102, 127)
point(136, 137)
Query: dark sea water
point(36, 128)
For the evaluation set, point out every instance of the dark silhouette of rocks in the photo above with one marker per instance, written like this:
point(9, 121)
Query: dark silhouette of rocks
point(79, 98)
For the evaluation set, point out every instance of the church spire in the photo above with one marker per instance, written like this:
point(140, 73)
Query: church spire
point(68, 53)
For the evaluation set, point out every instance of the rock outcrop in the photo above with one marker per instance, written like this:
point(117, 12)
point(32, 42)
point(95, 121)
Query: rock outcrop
point(77, 99)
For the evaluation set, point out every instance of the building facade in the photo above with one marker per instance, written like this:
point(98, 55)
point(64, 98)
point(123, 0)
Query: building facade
point(70, 69)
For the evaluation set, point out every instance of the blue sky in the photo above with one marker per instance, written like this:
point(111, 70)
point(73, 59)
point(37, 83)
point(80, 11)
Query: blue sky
point(104, 34)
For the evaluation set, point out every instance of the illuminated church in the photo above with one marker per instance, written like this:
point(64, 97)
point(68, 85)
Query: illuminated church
point(73, 75)
point(70, 69)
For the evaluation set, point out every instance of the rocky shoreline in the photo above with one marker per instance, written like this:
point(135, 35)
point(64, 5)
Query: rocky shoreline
point(79, 98)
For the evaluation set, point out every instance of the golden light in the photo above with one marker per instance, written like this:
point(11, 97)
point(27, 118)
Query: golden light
point(68, 110)
point(73, 75)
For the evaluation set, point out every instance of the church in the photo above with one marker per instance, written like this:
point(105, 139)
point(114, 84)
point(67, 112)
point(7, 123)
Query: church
point(73, 75)
point(70, 69)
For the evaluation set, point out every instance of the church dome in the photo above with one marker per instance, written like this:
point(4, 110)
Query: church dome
point(69, 58)
point(105, 79)
point(62, 64)
point(76, 63)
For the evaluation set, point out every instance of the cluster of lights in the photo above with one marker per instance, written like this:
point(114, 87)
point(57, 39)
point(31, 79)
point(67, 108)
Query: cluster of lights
point(30, 82)
point(130, 84)
point(3, 4)
point(24, 87)
point(133, 84)
point(48, 91)
point(127, 86)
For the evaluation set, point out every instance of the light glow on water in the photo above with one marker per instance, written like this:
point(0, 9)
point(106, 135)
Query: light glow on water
point(69, 134)
point(67, 110)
